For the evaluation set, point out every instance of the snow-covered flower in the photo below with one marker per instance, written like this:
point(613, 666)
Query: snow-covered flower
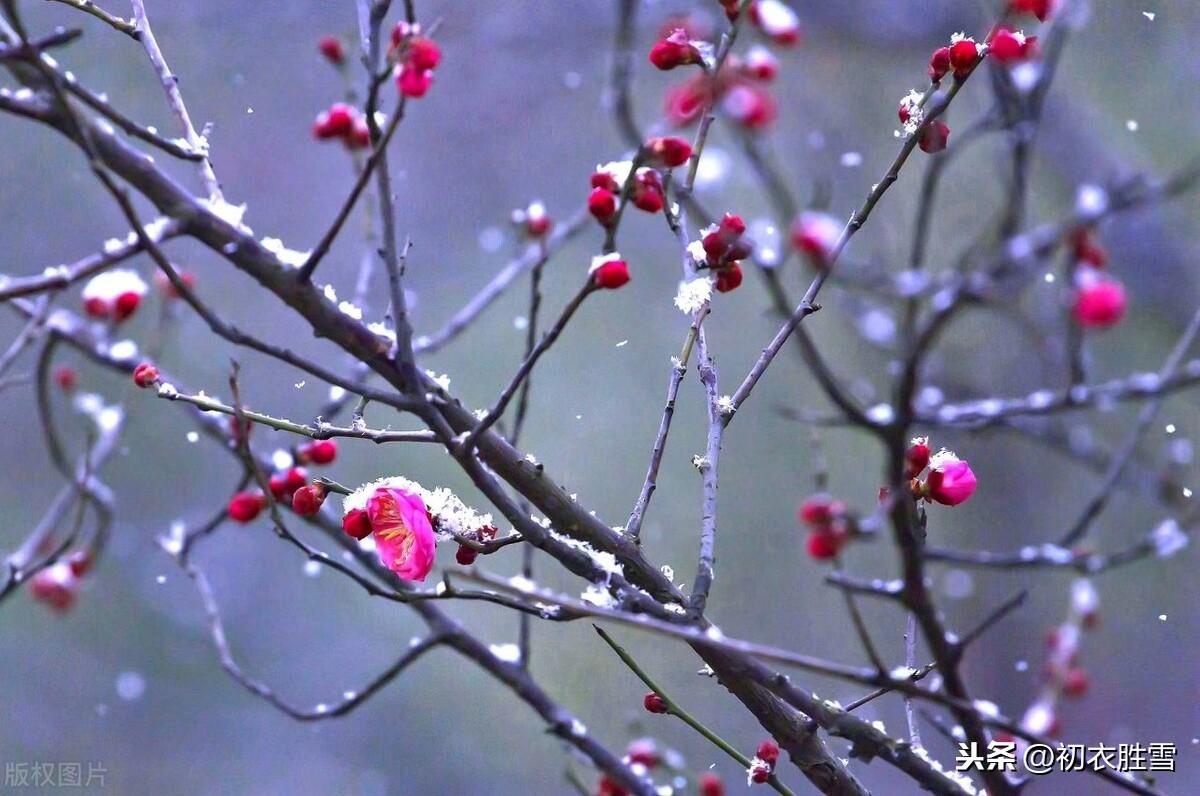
point(693, 294)
point(402, 530)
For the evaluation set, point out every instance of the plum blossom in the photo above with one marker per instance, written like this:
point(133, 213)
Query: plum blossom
point(403, 533)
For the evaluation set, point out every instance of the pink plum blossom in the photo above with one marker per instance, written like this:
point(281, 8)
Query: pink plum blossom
point(950, 480)
point(403, 534)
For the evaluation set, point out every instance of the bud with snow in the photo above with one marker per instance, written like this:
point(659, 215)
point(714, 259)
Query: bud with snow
point(609, 271)
point(950, 481)
point(675, 50)
point(816, 234)
point(113, 295)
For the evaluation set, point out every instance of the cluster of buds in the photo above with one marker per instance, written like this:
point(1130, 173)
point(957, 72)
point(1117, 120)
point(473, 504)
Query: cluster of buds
point(737, 89)
point(113, 295)
point(608, 181)
point(961, 57)
point(416, 57)
point(830, 526)
point(343, 123)
point(722, 246)
point(1041, 9)
point(763, 765)
point(609, 271)
point(1063, 676)
point(533, 220)
point(947, 479)
point(934, 136)
point(58, 584)
point(406, 520)
point(331, 48)
point(1099, 299)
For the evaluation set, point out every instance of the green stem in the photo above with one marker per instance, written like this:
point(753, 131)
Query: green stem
point(674, 709)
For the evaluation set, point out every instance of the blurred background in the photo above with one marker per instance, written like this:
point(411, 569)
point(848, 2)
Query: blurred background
point(129, 678)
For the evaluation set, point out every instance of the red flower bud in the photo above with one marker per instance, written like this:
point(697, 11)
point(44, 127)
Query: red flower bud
point(66, 378)
point(669, 151)
point(824, 543)
point(340, 120)
point(168, 287)
point(751, 106)
point(768, 752)
point(125, 305)
point(916, 458)
point(322, 451)
point(939, 64)
point(776, 20)
point(684, 103)
point(1006, 47)
point(934, 137)
point(729, 278)
point(245, 506)
point(1076, 682)
point(654, 703)
point(96, 307)
point(647, 191)
point(1099, 303)
point(820, 510)
point(80, 562)
point(951, 480)
point(709, 784)
point(602, 204)
point(605, 180)
point(761, 64)
point(611, 274)
point(423, 53)
point(278, 486)
point(357, 523)
point(643, 752)
point(732, 226)
point(413, 82)
point(307, 500)
point(609, 787)
point(359, 136)
point(56, 586)
point(760, 772)
point(674, 50)
point(816, 234)
point(331, 48)
point(465, 555)
point(963, 55)
point(145, 375)
point(1039, 8)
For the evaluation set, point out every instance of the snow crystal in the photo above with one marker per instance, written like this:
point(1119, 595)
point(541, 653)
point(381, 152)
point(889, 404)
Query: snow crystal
point(693, 295)
point(509, 653)
point(1168, 538)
